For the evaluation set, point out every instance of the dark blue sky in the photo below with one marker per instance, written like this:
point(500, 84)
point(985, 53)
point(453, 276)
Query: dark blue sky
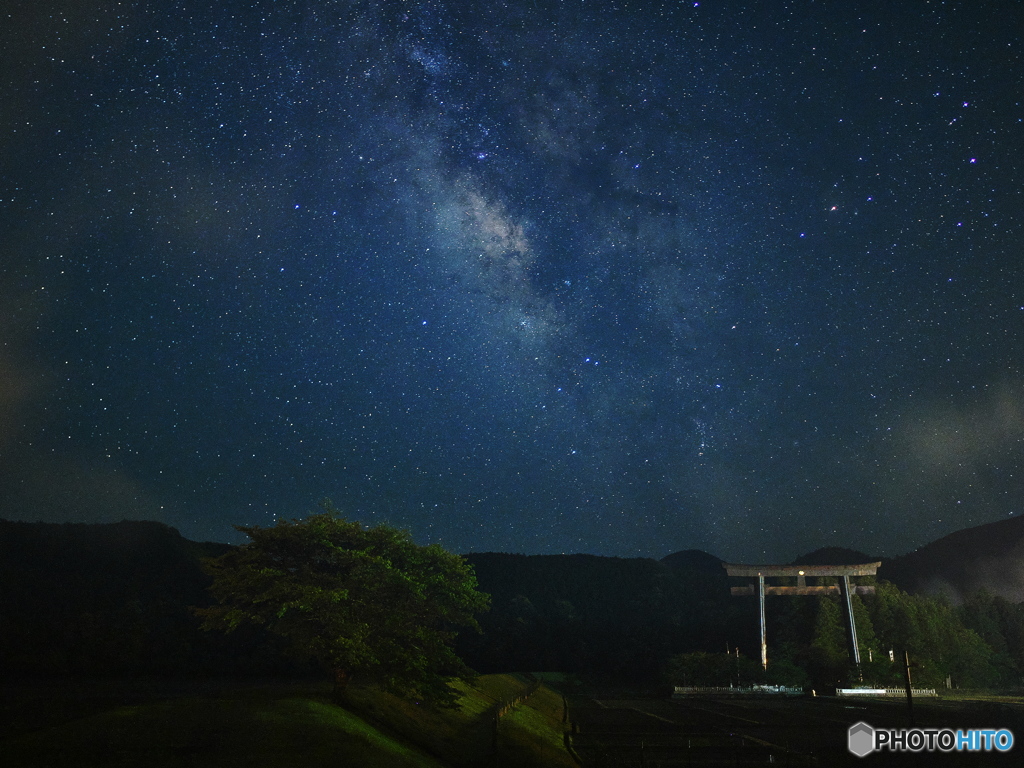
point(618, 278)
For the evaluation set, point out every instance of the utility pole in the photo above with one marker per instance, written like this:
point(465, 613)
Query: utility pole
point(906, 682)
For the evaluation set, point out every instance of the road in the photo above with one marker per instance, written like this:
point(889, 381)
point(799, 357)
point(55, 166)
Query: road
point(787, 731)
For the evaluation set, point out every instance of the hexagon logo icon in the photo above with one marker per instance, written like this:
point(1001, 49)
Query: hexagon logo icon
point(861, 739)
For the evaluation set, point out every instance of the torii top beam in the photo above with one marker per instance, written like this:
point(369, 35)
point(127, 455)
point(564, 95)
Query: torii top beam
point(863, 569)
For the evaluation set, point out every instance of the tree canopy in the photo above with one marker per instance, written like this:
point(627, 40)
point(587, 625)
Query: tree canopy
point(360, 601)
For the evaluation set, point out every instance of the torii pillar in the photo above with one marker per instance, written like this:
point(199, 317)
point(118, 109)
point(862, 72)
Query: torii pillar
point(801, 572)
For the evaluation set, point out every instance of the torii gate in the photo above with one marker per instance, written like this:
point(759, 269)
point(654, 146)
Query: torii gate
point(801, 572)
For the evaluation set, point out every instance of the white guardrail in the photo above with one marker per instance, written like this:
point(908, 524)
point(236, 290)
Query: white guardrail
point(708, 690)
point(885, 692)
point(698, 690)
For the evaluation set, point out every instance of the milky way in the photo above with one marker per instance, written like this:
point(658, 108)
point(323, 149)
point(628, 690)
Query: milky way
point(536, 277)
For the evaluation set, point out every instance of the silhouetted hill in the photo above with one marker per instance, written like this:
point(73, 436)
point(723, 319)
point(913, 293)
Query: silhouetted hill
point(835, 556)
point(130, 558)
point(606, 587)
point(703, 578)
point(989, 557)
point(583, 613)
point(693, 561)
point(114, 599)
point(110, 599)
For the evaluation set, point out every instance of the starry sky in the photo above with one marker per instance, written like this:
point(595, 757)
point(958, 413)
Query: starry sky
point(621, 278)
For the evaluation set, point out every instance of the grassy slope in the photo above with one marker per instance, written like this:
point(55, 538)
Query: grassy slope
point(530, 735)
point(533, 733)
point(282, 727)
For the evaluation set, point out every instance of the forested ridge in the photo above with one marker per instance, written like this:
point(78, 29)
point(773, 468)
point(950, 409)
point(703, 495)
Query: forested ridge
point(116, 600)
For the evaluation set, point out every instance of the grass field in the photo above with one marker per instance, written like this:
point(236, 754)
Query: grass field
point(139, 723)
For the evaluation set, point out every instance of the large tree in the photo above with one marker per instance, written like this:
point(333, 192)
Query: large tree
point(365, 601)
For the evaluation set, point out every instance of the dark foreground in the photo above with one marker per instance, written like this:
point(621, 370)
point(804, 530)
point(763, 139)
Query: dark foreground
point(660, 733)
point(282, 724)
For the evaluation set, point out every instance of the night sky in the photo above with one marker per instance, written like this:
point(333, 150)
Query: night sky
point(541, 277)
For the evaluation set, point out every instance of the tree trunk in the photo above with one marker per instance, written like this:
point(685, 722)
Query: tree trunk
point(341, 680)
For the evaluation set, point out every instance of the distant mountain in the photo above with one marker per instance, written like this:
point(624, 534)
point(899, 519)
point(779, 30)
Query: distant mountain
point(835, 556)
point(607, 587)
point(114, 599)
point(989, 557)
point(111, 599)
point(131, 560)
point(598, 615)
point(702, 574)
point(693, 561)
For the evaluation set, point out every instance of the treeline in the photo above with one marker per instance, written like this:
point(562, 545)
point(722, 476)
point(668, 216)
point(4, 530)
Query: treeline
point(632, 620)
point(976, 645)
point(620, 618)
point(116, 600)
